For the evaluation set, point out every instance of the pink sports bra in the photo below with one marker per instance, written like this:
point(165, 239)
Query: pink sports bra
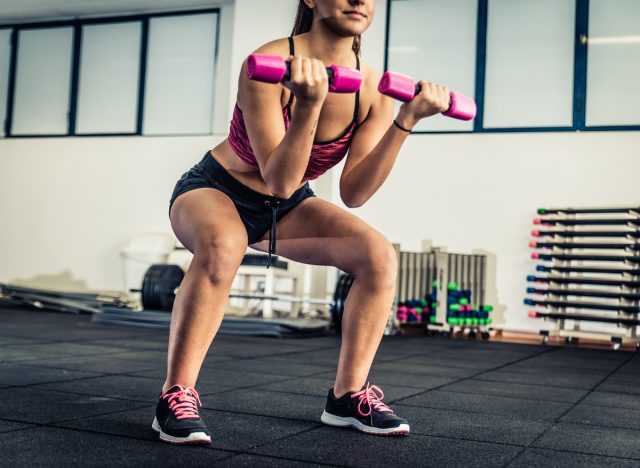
point(324, 155)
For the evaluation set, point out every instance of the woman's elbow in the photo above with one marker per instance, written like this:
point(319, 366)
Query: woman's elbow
point(352, 202)
point(282, 189)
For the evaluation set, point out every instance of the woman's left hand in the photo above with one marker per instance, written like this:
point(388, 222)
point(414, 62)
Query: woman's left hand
point(432, 99)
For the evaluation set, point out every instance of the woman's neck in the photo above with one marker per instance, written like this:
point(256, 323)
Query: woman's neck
point(327, 46)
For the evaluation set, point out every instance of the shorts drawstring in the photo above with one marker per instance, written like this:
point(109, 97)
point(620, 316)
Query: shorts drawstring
point(272, 203)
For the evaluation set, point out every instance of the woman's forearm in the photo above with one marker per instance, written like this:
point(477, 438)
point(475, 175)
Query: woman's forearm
point(288, 162)
point(366, 178)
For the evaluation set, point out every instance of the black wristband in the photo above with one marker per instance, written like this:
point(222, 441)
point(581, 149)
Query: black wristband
point(401, 127)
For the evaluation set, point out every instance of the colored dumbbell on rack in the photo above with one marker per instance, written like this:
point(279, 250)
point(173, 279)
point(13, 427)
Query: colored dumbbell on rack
point(274, 69)
point(403, 88)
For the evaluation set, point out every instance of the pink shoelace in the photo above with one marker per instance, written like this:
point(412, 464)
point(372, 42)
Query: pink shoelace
point(184, 403)
point(369, 396)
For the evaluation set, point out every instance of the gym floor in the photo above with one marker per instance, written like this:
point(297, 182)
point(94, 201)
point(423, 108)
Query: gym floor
point(73, 392)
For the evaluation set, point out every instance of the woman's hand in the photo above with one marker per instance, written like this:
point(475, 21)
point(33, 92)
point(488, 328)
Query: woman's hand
point(309, 81)
point(432, 99)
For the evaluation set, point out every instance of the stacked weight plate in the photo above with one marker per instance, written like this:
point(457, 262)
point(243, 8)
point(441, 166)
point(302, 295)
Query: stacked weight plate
point(588, 271)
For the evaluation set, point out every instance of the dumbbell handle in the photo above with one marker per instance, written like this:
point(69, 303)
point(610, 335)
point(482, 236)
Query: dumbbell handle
point(273, 69)
point(403, 88)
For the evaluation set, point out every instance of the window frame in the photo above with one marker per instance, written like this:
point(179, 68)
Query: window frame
point(581, 31)
point(77, 25)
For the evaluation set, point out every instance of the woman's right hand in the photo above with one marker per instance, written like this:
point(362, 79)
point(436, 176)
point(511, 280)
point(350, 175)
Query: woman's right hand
point(309, 81)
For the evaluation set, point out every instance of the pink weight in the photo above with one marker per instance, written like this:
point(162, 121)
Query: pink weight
point(533, 314)
point(535, 255)
point(273, 69)
point(537, 221)
point(535, 233)
point(266, 68)
point(344, 79)
point(462, 107)
point(533, 244)
point(397, 86)
point(403, 88)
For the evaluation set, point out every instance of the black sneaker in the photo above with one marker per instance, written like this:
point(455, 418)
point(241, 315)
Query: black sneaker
point(364, 411)
point(177, 419)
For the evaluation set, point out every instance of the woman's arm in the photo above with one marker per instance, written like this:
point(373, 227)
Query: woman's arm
point(376, 144)
point(283, 155)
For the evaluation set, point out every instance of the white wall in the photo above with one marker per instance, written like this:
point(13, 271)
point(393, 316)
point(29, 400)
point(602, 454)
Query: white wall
point(68, 205)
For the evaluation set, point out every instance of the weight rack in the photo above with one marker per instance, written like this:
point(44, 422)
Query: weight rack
point(589, 272)
point(475, 272)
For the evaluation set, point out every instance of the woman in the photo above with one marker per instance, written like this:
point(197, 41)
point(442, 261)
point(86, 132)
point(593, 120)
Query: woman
point(253, 189)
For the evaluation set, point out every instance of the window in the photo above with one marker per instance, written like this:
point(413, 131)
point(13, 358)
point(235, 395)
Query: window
point(43, 72)
point(531, 65)
point(421, 44)
point(109, 78)
point(613, 63)
point(179, 87)
point(128, 75)
point(5, 58)
point(529, 68)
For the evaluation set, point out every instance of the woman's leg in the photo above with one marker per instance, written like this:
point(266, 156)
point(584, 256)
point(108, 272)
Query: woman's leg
point(207, 223)
point(320, 233)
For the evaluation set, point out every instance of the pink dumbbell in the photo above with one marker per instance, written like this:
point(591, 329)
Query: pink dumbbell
point(403, 88)
point(273, 69)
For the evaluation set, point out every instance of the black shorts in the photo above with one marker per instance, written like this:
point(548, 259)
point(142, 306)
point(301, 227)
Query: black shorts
point(258, 211)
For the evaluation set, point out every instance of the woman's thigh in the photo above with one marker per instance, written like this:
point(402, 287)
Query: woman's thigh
point(320, 233)
point(206, 218)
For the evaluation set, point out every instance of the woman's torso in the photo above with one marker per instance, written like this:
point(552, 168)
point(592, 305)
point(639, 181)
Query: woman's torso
point(336, 115)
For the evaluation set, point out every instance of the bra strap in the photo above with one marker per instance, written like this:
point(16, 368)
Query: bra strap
point(355, 112)
point(291, 52)
point(291, 48)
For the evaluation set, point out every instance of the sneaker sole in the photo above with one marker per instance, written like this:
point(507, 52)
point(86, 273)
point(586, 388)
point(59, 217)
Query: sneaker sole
point(339, 421)
point(193, 438)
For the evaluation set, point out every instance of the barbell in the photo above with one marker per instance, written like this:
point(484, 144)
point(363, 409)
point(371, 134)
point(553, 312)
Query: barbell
point(161, 283)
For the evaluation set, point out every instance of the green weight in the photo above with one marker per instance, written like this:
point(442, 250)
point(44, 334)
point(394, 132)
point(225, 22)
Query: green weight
point(455, 307)
point(463, 300)
point(487, 308)
point(453, 286)
point(424, 302)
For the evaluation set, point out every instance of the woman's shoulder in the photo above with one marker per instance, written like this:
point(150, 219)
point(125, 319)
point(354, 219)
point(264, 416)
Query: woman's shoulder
point(275, 47)
point(370, 76)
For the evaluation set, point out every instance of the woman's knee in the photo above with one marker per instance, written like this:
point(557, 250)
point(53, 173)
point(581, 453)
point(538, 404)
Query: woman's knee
point(378, 259)
point(219, 257)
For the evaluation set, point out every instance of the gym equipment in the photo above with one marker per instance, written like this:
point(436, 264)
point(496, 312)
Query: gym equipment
point(273, 69)
point(277, 328)
point(586, 222)
point(403, 88)
point(575, 257)
point(343, 286)
point(584, 245)
point(580, 269)
point(588, 318)
point(629, 233)
point(595, 257)
point(426, 278)
point(629, 296)
point(543, 211)
point(58, 301)
point(161, 282)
